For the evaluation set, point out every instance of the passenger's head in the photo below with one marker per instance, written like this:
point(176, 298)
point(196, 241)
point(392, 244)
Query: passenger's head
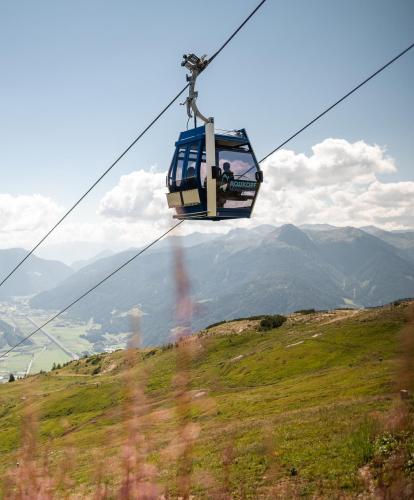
point(226, 166)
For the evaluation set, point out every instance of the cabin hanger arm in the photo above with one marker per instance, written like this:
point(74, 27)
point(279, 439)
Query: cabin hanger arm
point(195, 65)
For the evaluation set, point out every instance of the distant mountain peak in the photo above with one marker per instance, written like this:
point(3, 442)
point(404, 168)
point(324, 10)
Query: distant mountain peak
point(14, 252)
point(293, 236)
point(37, 274)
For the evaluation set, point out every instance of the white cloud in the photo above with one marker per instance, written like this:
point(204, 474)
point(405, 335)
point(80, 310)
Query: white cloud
point(23, 218)
point(137, 196)
point(136, 208)
point(333, 161)
point(337, 184)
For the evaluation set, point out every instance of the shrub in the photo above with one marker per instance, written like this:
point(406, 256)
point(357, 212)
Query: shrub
point(271, 322)
point(12, 378)
point(385, 445)
point(96, 370)
point(305, 311)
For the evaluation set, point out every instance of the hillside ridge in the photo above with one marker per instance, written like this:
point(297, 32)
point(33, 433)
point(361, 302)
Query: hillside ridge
point(313, 396)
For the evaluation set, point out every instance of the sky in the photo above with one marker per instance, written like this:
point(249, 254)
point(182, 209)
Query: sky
point(81, 79)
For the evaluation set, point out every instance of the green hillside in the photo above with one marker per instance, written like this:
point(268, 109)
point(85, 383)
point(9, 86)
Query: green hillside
point(308, 409)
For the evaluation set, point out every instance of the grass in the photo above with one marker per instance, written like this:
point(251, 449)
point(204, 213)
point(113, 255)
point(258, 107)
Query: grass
point(289, 412)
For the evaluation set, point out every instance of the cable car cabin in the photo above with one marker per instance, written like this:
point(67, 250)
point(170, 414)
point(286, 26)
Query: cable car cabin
point(213, 176)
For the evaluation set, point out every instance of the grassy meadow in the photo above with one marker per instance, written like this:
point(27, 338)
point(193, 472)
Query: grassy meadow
point(310, 409)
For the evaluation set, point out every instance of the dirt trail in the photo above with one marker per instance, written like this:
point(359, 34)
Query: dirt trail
point(341, 316)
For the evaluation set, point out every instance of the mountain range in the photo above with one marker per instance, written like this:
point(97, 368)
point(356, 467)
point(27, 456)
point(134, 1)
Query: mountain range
point(34, 276)
point(245, 272)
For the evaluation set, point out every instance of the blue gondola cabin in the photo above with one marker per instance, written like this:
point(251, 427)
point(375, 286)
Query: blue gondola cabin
point(213, 176)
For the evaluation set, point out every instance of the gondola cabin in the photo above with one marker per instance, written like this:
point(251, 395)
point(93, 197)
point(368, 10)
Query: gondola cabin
point(213, 176)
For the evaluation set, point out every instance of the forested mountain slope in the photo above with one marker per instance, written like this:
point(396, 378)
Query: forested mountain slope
point(245, 272)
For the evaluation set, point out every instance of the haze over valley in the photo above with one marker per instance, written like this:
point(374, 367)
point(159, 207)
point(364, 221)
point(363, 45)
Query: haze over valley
point(264, 270)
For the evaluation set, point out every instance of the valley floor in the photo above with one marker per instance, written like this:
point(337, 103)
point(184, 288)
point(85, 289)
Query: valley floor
point(57, 343)
point(310, 409)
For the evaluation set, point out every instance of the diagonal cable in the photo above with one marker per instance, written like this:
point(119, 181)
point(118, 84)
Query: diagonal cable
point(325, 111)
point(85, 194)
point(133, 143)
point(332, 106)
point(103, 280)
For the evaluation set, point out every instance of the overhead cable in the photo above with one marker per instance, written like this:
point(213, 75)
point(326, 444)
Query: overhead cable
point(103, 280)
point(133, 143)
point(332, 106)
point(329, 108)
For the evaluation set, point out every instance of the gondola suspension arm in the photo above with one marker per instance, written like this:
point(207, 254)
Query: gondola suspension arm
point(195, 65)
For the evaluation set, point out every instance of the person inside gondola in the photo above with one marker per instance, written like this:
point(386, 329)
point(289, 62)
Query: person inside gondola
point(224, 184)
point(191, 177)
point(226, 177)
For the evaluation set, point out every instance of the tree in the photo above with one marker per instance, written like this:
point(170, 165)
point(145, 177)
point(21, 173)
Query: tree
point(11, 378)
point(270, 322)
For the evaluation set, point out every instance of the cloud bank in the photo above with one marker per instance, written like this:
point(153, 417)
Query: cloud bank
point(25, 217)
point(339, 183)
point(137, 196)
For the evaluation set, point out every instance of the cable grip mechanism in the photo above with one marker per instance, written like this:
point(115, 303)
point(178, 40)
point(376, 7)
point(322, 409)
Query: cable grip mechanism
point(195, 65)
